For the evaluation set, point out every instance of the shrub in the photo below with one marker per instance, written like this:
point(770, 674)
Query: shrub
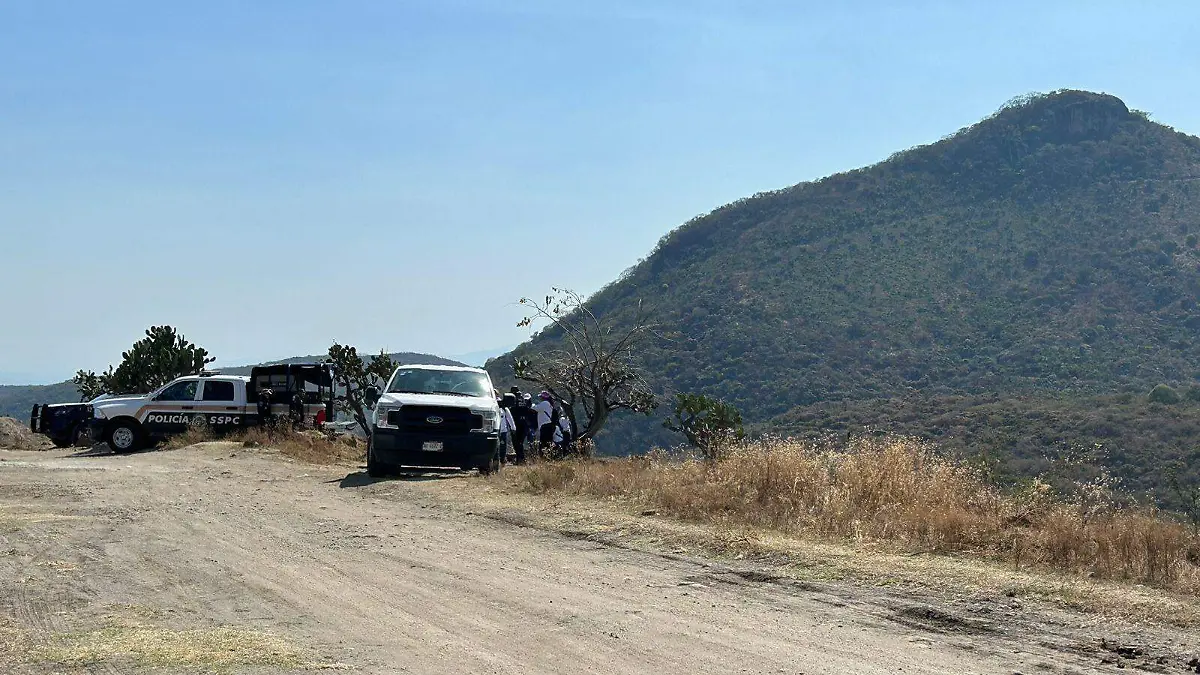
point(1164, 394)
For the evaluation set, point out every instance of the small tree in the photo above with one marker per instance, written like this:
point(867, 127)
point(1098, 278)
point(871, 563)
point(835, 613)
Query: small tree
point(151, 362)
point(1187, 495)
point(594, 371)
point(707, 423)
point(353, 375)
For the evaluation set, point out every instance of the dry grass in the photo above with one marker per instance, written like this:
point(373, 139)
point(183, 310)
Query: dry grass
point(13, 642)
point(195, 435)
point(309, 446)
point(896, 493)
point(313, 447)
point(212, 649)
point(14, 517)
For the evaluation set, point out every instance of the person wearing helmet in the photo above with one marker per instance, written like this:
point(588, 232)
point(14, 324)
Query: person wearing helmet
point(545, 420)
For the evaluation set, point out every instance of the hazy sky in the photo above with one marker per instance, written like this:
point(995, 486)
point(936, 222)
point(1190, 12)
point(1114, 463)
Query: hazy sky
point(270, 176)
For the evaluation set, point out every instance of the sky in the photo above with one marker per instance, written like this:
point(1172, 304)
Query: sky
point(272, 176)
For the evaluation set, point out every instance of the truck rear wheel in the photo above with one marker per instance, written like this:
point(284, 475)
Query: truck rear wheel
point(124, 437)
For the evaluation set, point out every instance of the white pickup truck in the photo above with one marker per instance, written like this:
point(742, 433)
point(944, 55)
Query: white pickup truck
point(443, 416)
point(220, 402)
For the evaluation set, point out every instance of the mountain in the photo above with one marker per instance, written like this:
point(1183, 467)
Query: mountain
point(401, 358)
point(17, 400)
point(1048, 251)
point(481, 357)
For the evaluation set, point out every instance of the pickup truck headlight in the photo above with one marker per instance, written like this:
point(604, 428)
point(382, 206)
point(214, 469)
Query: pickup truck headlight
point(381, 417)
point(491, 421)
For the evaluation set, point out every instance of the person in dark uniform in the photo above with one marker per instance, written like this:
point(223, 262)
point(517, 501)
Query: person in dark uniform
point(520, 432)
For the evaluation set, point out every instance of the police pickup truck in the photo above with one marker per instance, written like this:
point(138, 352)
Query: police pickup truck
point(299, 392)
point(434, 416)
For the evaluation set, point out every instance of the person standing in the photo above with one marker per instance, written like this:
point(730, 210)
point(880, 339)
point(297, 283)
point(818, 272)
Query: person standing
point(559, 450)
point(531, 419)
point(520, 434)
point(508, 427)
point(545, 421)
point(564, 432)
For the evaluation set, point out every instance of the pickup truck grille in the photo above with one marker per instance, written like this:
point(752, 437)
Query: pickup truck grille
point(422, 418)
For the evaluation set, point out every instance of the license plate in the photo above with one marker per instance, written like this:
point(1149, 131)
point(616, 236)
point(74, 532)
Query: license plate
point(432, 446)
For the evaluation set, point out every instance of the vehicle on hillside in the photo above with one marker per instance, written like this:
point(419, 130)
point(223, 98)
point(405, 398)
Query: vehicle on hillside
point(301, 393)
point(434, 416)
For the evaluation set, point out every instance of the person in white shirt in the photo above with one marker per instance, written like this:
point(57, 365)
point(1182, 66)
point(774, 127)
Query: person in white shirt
point(545, 417)
point(508, 426)
point(562, 435)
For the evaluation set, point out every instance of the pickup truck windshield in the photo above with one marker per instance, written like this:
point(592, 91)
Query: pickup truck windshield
point(454, 382)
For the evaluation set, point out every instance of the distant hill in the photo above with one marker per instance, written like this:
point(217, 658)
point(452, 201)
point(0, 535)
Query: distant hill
point(400, 358)
point(17, 400)
point(477, 359)
point(1049, 251)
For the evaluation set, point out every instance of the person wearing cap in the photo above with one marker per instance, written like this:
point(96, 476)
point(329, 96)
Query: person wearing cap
point(531, 419)
point(545, 420)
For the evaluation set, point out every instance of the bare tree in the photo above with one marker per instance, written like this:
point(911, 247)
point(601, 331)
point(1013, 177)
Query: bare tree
point(594, 371)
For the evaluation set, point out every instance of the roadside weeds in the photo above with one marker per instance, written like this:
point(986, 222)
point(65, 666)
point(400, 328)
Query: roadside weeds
point(766, 554)
point(309, 445)
point(893, 493)
point(887, 513)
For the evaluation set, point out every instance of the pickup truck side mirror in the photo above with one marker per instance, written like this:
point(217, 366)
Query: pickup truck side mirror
point(372, 395)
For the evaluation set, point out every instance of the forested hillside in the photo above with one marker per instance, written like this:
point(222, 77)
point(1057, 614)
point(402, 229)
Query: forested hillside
point(1047, 251)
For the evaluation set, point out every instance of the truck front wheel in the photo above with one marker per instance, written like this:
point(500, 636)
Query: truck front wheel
point(375, 468)
point(81, 434)
point(124, 437)
point(492, 465)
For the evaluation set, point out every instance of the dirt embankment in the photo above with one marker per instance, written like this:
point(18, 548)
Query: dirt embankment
point(16, 435)
point(220, 557)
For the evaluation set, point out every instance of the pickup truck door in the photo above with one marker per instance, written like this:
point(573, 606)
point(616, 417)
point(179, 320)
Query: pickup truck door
point(170, 411)
point(223, 403)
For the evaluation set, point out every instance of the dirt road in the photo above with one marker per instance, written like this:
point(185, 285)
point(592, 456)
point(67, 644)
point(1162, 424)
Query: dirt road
point(217, 557)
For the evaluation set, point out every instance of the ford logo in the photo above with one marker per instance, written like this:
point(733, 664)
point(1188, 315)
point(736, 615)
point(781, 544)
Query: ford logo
point(433, 419)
